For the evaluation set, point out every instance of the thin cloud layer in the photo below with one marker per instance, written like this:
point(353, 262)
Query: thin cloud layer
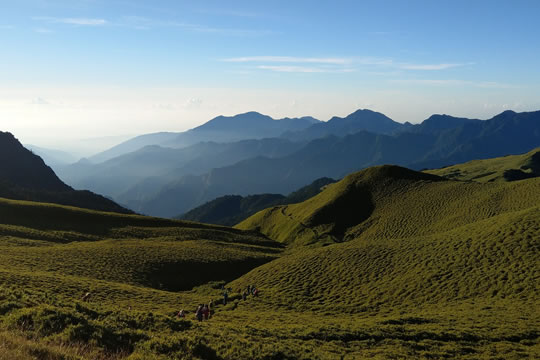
point(73, 21)
point(428, 67)
point(339, 64)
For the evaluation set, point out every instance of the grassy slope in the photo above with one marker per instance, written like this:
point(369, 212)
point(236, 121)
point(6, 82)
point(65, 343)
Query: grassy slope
point(126, 249)
point(434, 251)
point(512, 167)
point(429, 268)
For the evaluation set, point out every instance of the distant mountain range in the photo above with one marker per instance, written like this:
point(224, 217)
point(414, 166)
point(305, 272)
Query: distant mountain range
point(428, 145)
point(222, 129)
point(25, 176)
point(146, 170)
point(52, 157)
point(360, 120)
point(231, 209)
point(283, 155)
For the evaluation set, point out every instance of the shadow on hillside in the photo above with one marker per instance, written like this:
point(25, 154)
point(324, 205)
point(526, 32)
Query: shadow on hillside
point(51, 218)
point(346, 211)
point(184, 276)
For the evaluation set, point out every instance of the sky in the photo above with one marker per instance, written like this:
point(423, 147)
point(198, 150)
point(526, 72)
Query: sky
point(82, 75)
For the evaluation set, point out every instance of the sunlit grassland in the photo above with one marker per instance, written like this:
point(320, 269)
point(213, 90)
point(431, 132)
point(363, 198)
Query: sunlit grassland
point(399, 264)
point(496, 169)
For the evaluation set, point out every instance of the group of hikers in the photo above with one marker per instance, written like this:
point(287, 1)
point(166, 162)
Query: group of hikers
point(205, 311)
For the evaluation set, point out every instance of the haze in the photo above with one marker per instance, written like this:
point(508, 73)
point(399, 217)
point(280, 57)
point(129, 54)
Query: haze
point(84, 75)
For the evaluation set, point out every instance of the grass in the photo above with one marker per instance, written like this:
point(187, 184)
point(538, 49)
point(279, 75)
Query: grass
point(507, 168)
point(386, 264)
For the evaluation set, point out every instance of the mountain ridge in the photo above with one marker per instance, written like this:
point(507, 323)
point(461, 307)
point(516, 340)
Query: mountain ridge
point(25, 176)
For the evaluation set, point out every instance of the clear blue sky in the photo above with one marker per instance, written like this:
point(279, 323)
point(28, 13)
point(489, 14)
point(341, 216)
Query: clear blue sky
point(93, 68)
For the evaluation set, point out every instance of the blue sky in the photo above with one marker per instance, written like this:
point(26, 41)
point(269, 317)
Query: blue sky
point(87, 69)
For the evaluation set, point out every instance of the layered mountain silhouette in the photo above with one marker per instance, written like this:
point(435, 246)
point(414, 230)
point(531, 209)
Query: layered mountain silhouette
point(420, 146)
point(146, 170)
point(231, 209)
point(359, 120)
point(25, 176)
point(171, 178)
point(222, 129)
point(52, 157)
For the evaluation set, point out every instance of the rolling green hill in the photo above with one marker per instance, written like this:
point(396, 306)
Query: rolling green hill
point(507, 168)
point(420, 203)
point(386, 263)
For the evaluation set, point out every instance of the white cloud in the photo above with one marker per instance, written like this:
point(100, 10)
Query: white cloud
point(73, 21)
point(39, 101)
point(84, 21)
point(43, 30)
point(228, 12)
point(303, 69)
point(290, 59)
point(192, 103)
point(455, 82)
point(347, 64)
point(428, 67)
point(143, 23)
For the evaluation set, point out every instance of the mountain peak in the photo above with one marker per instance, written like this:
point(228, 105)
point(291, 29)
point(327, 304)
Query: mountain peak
point(23, 168)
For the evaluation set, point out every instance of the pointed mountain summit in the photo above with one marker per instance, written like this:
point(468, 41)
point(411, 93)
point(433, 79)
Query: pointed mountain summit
point(221, 129)
point(25, 176)
point(249, 125)
point(440, 122)
point(360, 120)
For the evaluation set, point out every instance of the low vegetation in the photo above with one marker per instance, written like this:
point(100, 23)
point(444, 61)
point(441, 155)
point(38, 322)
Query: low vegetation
point(507, 168)
point(386, 264)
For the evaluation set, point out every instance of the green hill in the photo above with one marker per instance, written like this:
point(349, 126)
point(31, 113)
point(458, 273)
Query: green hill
point(386, 263)
point(507, 168)
point(152, 252)
point(387, 195)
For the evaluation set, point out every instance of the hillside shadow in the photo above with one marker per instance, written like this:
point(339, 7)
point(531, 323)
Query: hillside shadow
point(350, 209)
point(185, 275)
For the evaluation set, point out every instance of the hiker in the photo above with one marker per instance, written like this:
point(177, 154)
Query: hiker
point(86, 297)
point(225, 297)
point(249, 289)
point(253, 289)
point(181, 314)
point(206, 312)
point(198, 313)
point(256, 292)
point(211, 307)
point(244, 295)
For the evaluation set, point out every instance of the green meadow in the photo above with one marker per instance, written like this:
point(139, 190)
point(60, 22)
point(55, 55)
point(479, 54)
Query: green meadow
point(388, 263)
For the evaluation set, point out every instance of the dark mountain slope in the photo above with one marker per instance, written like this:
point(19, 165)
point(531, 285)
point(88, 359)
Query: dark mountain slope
point(25, 176)
point(505, 134)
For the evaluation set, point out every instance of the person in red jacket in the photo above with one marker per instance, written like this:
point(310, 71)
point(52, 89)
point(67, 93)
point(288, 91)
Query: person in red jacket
point(205, 312)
